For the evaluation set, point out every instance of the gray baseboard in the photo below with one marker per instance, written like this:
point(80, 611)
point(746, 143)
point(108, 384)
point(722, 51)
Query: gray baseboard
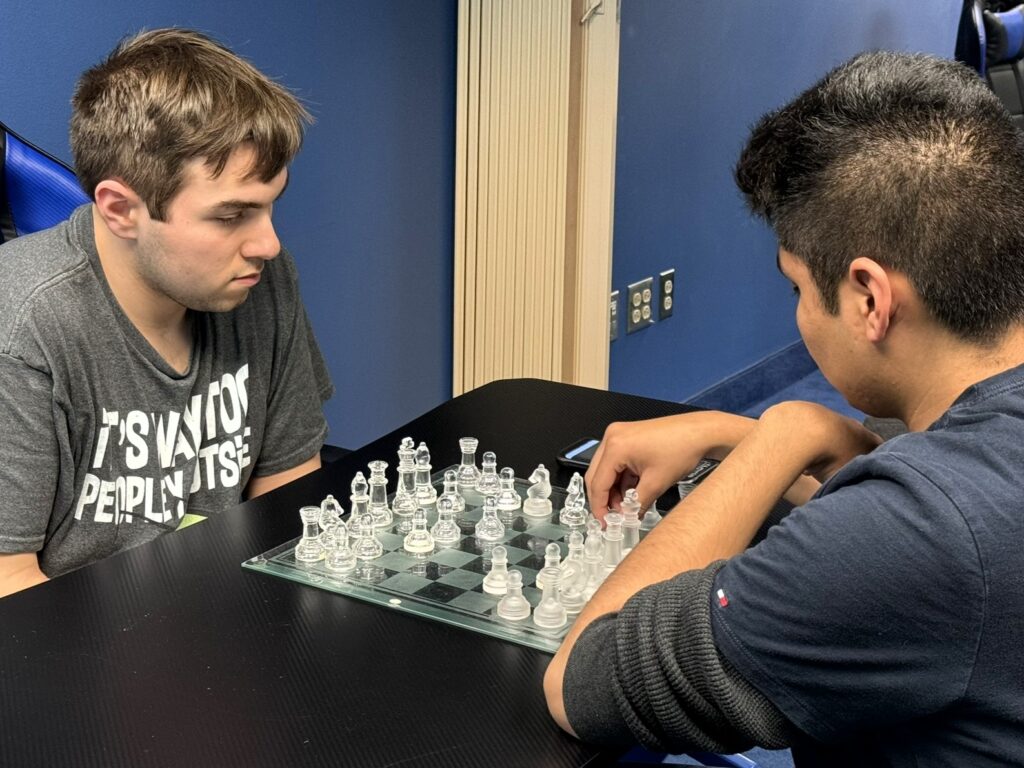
point(758, 382)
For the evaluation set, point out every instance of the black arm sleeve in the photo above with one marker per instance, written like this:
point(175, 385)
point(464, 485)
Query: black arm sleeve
point(651, 674)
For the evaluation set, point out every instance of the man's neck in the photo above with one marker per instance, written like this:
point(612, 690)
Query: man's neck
point(164, 323)
point(939, 372)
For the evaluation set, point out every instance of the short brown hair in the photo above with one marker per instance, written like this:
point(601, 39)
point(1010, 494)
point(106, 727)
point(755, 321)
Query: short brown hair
point(168, 96)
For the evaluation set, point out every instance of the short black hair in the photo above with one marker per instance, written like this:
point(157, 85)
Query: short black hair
point(910, 160)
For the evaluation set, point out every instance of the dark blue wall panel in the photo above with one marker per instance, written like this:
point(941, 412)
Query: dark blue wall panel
point(693, 77)
point(368, 212)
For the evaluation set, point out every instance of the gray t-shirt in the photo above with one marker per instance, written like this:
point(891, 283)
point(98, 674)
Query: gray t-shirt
point(104, 446)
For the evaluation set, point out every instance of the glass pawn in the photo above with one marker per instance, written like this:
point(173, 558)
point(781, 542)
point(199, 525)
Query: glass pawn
point(593, 561)
point(574, 513)
point(550, 613)
point(445, 531)
point(379, 509)
point(496, 580)
point(419, 541)
point(538, 501)
point(339, 557)
point(469, 472)
point(612, 540)
point(489, 484)
point(490, 528)
point(508, 498)
point(630, 509)
point(425, 493)
point(451, 493)
point(551, 570)
point(513, 606)
point(651, 518)
point(570, 594)
point(573, 571)
point(309, 549)
point(367, 545)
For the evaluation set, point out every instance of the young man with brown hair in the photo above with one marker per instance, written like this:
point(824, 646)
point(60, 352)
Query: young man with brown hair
point(155, 355)
point(880, 623)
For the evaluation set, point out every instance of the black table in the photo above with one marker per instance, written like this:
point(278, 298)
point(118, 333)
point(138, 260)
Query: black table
point(172, 654)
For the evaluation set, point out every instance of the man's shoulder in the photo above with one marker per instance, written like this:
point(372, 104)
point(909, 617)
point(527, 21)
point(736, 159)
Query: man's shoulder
point(33, 266)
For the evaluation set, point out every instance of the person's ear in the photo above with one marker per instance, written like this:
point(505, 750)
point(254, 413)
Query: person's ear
point(119, 207)
point(872, 289)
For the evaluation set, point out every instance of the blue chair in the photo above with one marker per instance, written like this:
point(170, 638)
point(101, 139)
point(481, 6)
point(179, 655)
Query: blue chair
point(37, 189)
point(991, 41)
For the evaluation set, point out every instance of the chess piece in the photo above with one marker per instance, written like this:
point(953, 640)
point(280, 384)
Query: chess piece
point(574, 513)
point(593, 561)
point(508, 498)
point(404, 504)
point(468, 473)
point(339, 557)
point(550, 613)
point(570, 594)
point(451, 493)
point(513, 606)
point(538, 502)
point(489, 484)
point(490, 528)
point(419, 541)
point(496, 580)
point(572, 567)
point(612, 540)
point(425, 493)
point(651, 518)
point(330, 512)
point(367, 546)
point(445, 531)
point(379, 509)
point(551, 570)
point(630, 509)
point(309, 549)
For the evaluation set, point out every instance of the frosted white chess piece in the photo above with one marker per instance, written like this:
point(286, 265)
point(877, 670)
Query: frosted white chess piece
point(574, 513)
point(651, 518)
point(445, 531)
point(419, 541)
point(496, 580)
point(630, 508)
point(490, 528)
point(513, 606)
point(551, 571)
point(538, 501)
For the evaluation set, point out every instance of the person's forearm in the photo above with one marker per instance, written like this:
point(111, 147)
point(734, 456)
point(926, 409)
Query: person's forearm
point(18, 572)
point(716, 521)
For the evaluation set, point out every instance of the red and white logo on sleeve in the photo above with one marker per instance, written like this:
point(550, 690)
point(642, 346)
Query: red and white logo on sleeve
point(722, 599)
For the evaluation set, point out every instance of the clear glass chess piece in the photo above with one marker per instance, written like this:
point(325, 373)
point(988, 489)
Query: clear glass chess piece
point(445, 531)
point(490, 528)
point(550, 613)
point(551, 570)
point(496, 580)
point(570, 594)
point(379, 509)
point(451, 493)
point(309, 549)
point(404, 503)
point(339, 557)
point(330, 511)
point(612, 540)
point(593, 561)
point(574, 513)
point(419, 541)
point(489, 483)
point(513, 606)
point(508, 498)
point(468, 473)
point(367, 545)
point(538, 501)
point(425, 493)
point(573, 571)
point(651, 518)
point(630, 509)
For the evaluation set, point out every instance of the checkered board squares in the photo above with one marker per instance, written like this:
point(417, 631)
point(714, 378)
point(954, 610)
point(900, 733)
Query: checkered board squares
point(446, 585)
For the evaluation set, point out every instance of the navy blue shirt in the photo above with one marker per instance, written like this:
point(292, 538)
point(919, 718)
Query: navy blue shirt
point(885, 618)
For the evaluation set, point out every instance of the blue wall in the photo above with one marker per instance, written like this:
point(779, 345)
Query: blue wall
point(368, 212)
point(694, 76)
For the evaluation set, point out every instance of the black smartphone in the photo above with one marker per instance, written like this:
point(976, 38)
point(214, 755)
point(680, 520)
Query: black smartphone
point(579, 454)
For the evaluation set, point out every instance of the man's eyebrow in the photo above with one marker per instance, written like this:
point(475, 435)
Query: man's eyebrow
point(241, 205)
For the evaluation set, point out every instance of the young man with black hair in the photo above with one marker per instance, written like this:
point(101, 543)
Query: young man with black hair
point(881, 623)
point(155, 356)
